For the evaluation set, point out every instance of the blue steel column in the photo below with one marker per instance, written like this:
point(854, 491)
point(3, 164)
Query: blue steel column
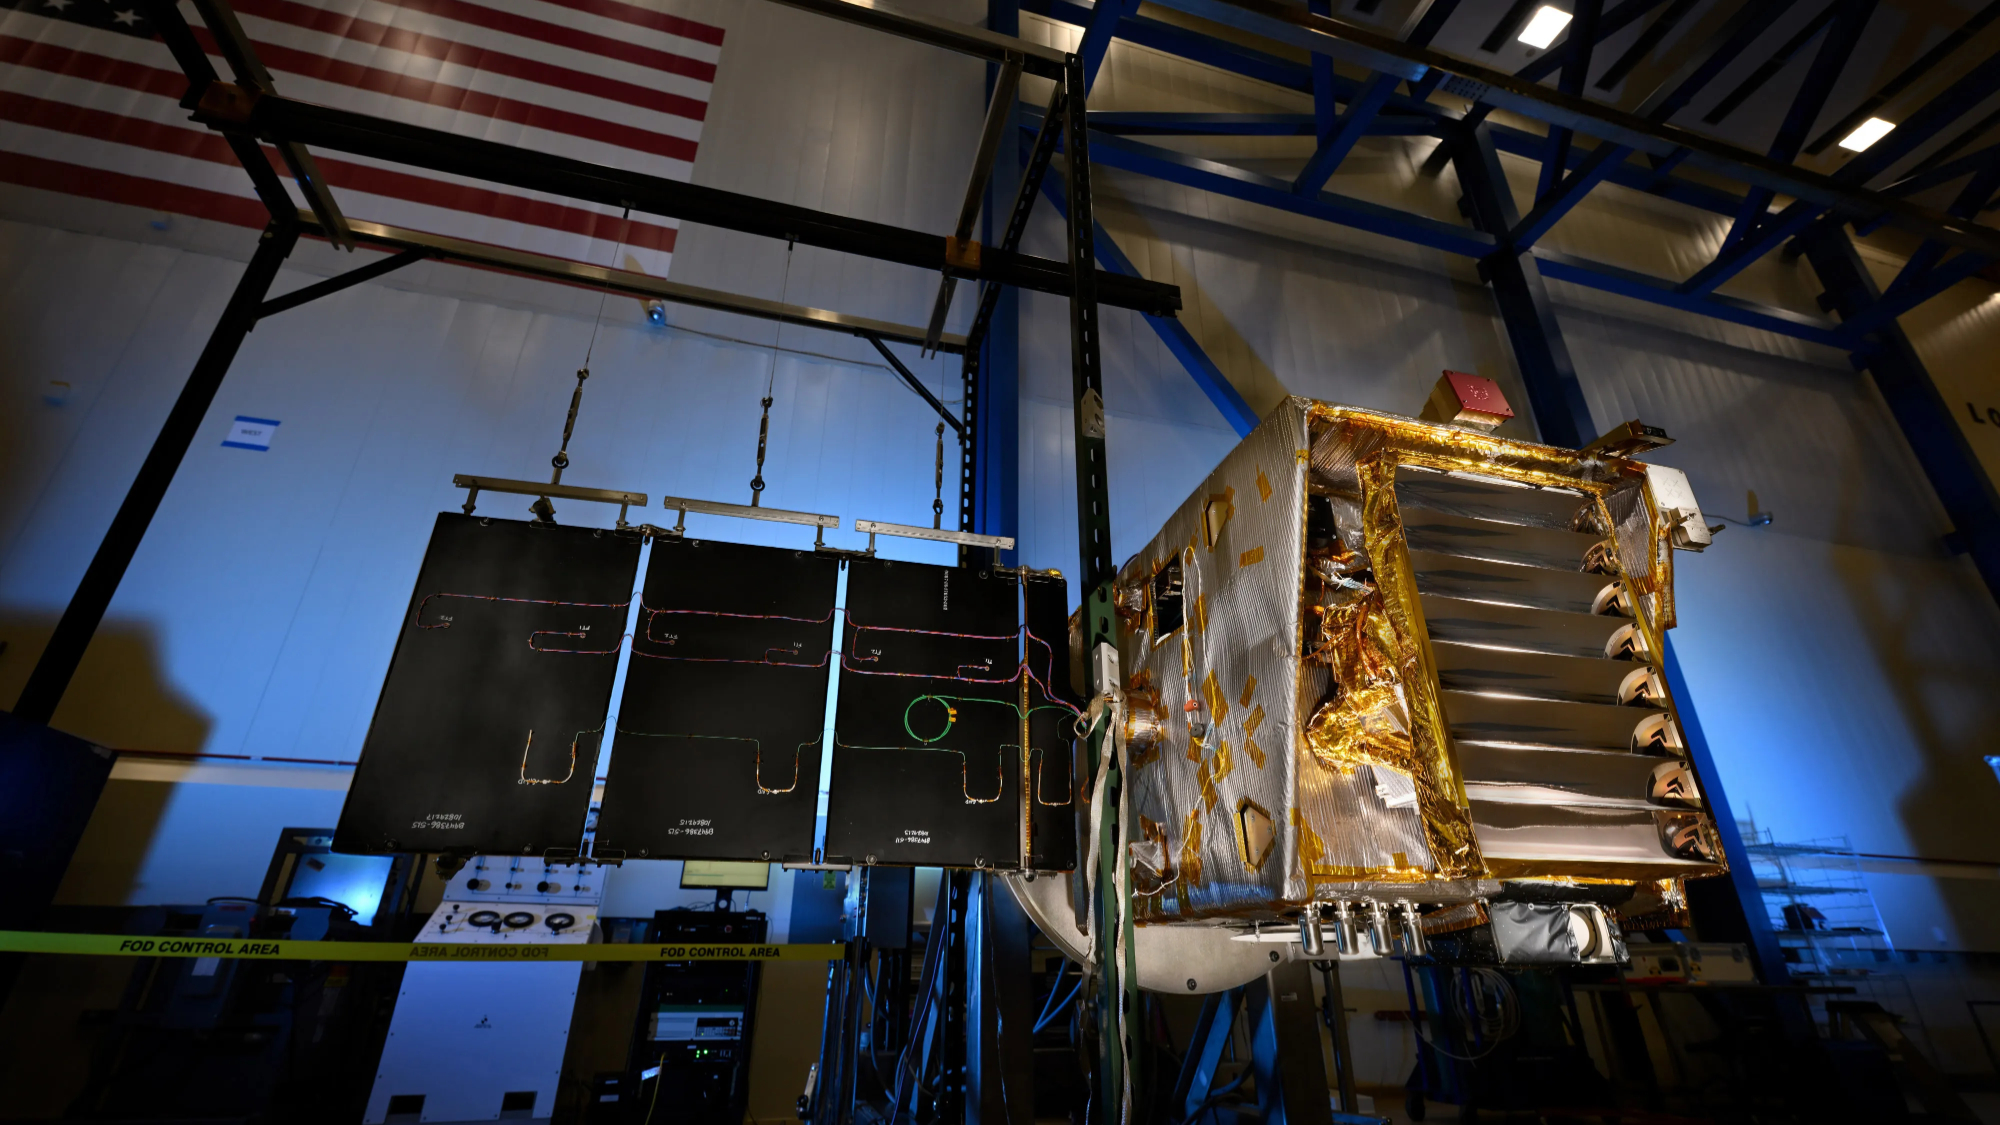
point(1922, 413)
point(1729, 909)
point(1554, 394)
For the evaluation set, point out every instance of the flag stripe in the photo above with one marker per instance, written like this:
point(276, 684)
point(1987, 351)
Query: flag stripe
point(646, 17)
point(391, 14)
point(89, 106)
point(288, 60)
point(139, 191)
point(473, 57)
point(70, 65)
point(515, 24)
point(135, 191)
point(93, 67)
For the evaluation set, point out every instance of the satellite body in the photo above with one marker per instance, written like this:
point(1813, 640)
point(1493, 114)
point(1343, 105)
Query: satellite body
point(1404, 677)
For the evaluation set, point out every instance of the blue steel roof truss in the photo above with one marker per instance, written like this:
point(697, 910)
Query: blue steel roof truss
point(1345, 109)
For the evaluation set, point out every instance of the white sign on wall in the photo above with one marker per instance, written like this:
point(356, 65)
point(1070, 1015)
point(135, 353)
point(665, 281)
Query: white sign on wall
point(251, 433)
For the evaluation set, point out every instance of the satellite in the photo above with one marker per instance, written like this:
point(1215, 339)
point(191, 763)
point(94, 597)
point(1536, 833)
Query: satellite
point(1395, 685)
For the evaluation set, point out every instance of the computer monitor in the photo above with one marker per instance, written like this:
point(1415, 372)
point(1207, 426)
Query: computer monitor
point(725, 875)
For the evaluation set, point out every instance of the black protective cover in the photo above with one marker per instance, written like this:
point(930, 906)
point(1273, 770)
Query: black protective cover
point(927, 762)
point(719, 731)
point(485, 738)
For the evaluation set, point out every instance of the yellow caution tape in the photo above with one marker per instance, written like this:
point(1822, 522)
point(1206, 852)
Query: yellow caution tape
point(119, 945)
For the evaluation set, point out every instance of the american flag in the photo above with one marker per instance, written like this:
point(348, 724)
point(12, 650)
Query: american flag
point(89, 106)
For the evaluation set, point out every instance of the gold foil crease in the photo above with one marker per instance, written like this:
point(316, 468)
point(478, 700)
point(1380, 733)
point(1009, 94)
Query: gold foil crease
point(1440, 787)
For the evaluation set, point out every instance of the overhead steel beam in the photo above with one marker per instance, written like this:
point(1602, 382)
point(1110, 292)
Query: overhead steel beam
point(1940, 174)
point(1962, 96)
point(1927, 421)
point(1557, 266)
point(910, 379)
point(1950, 148)
point(1582, 36)
point(1926, 63)
point(1128, 155)
point(1907, 294)
point(1553, 59)
point(335, 284)
point(1376, 51)
point(1926, 274)
point(193, 60)
point(340, 131)
point(1555, 202)
point(1940, 111)
point(1191, 45)
point(1848, 19)
point(1098, 33)
point(1348, 129)
point(1648, 39)
point(1509, 23)
point(1706, 63)
point(1141, 124)
point(1287, 75)
point(999, 114)
point(623, 282)
point(1353, 123)
point(1044, 62)
point(1769, 68)
point(1047, 131)
point(241, 55)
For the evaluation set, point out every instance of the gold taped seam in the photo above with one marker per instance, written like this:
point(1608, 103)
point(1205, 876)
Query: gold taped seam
point(1251, 557)
point(1441, 800)
point(1609, 871)
point(1249, 689)
point(1201, 614)
point(1255, 751)
point(1263, 487)
point(1255, 720)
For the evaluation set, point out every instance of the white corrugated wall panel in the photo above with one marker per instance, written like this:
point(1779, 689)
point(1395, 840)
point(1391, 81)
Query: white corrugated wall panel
point(260, 611)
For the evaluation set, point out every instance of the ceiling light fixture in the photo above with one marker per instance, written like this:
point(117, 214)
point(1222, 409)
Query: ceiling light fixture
point(1547, 23)
point(1866, 133)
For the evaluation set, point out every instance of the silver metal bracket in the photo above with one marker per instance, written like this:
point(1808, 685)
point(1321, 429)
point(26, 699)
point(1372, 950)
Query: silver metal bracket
point(541, 490)
point(684, 505)
point(872, 528)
